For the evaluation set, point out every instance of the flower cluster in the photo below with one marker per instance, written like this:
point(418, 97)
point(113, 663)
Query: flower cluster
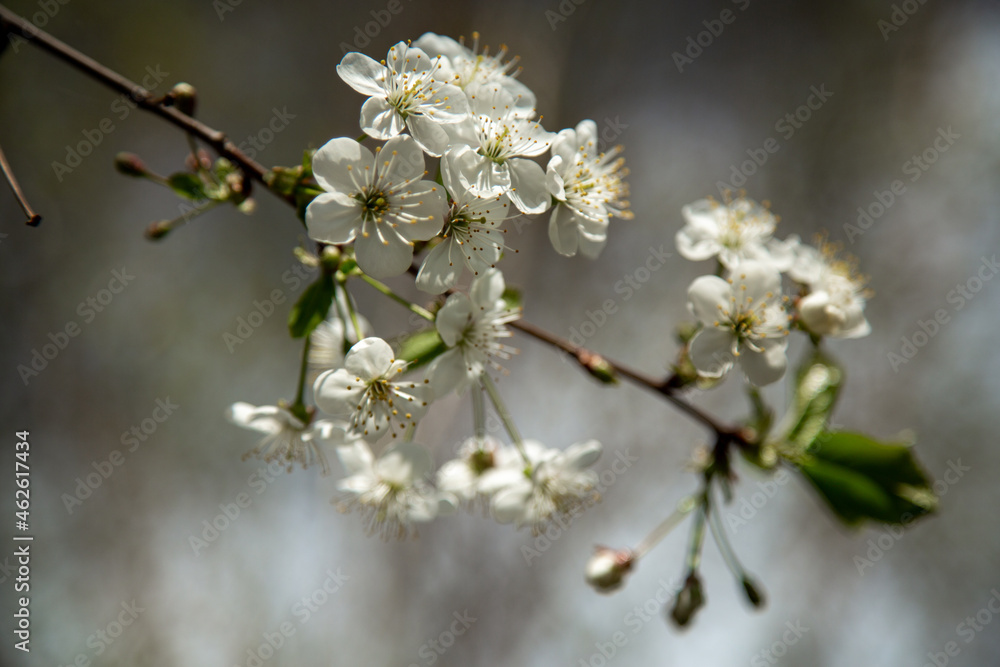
point(438, 98)
point(741, 310)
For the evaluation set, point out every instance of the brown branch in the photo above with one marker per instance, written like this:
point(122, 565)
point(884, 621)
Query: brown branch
point(588, 360)
point(14, 24)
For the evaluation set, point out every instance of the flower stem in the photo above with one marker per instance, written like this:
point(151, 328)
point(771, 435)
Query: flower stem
point(385, 289)
point(352, 313)
point(725, 548)
point(298, 407)
point(508, 422)
point(697, 534)
point(684, 508)
point(478, 413)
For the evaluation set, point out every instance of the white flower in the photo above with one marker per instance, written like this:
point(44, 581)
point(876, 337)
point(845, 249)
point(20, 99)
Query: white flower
point(735, 231)
point(742, 318)
point(834, 305)
point(466, 67)
point(460, 477)
point(589, 188)
point(405, 91)
point(502, 141)
point(328, 339)
point(380, 200)
point(390, 492)
point(472, 327)
point(364, 391)
point(472, 233)
point(287, 439)
point(556, 483)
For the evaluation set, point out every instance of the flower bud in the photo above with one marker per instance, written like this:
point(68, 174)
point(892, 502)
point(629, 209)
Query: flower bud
point(330, 258)
point(607, 568)
point(688, 601)
point(754, 594)
point(184, 97)
point(157, 230)
point(131, 165)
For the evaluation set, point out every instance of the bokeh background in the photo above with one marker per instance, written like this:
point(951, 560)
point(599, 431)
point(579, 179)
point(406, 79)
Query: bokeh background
point(684, 129)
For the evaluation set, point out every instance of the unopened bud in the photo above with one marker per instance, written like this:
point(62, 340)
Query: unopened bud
point(688, 601)
point(607, 568)
point(131, 165)
point(184, 97)
point(754, 594)
point(330, 258)
point(157, 230)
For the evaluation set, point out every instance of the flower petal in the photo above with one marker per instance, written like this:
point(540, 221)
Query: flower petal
point(379, 120)
point(453, 318)
point(428, 134)
point(708, 297)
point(527, 186)
point(712, 351)
point(340, 164)
point(381, 252)
point(363, 74)
point(766, 366)
point(563, 230)
point(369, 359)
point(338, 393)
point(333, 217)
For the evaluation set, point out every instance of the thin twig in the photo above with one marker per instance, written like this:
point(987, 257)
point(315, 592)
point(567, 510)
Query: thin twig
point(33, 218)
point(11, 22)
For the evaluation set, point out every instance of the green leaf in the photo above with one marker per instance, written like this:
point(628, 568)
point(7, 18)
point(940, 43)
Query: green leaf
point(421, 348)
point(312, 307)
point(187, 185)
point(861, 478)
point(817, 385)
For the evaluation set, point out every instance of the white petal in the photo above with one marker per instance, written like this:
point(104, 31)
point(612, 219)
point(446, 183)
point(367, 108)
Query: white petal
point(356, 457)
point(762, 281)
point(712, 351)
point(510, 504)
point(401, 160)
point(338, 393)
point(563, 230)
point(362, 73)
point(379, 120)
point(583, 454)
point(448, 372)
point(334, 162)
point(706, 294)
point(553, 178)
point(487, 289)
point(369, 359)
point(695, 247)
point(382, 253)
point(766, 366)
point(404, 463)
point(265, 419)
point(333, 217)
point(453, 318)
point(439, 272)
point(420, 213)
point(527, 186)
point(447, 105)
point(428, 134)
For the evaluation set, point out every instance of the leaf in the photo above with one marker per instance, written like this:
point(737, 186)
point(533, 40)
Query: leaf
point(187, 185)
point(861, 478)
point(312, 307)
point(421, 348)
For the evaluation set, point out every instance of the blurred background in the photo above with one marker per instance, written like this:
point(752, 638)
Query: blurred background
point(689, 88)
